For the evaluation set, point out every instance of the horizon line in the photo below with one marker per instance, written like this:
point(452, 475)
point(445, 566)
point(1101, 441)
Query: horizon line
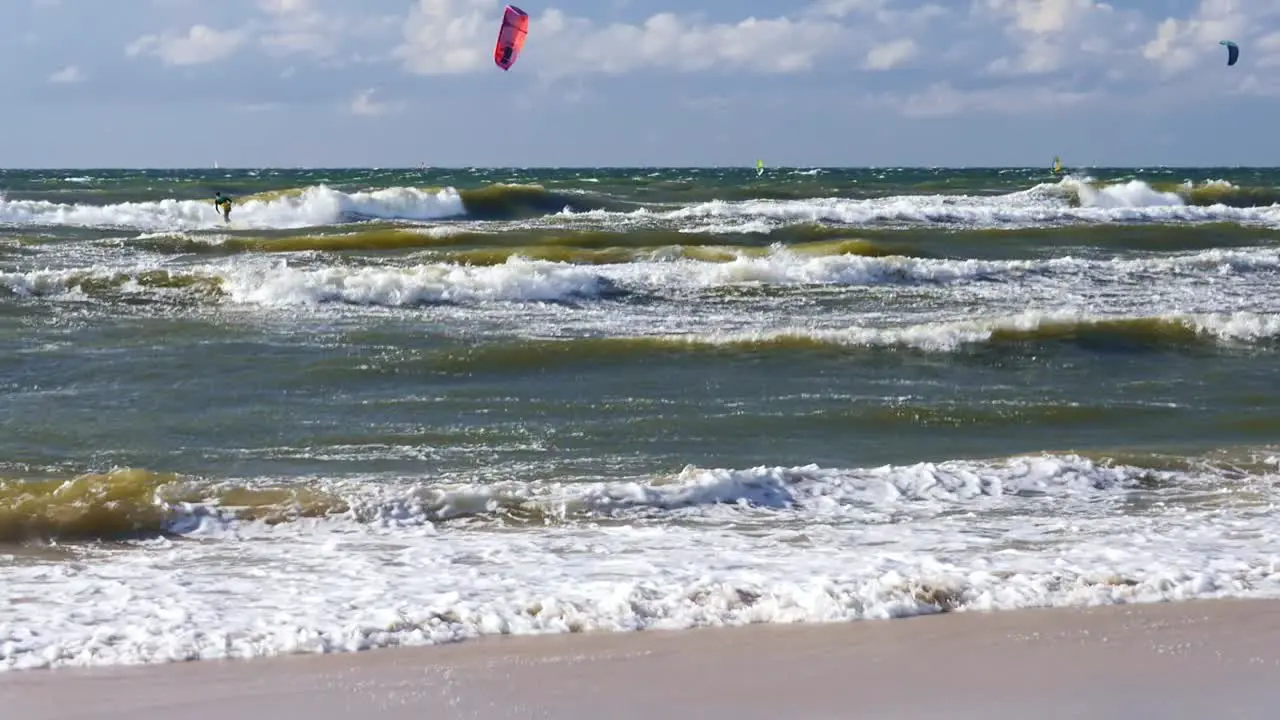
point(751, 168)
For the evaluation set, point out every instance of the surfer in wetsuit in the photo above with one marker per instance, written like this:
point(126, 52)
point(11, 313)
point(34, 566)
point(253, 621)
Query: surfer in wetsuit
point(223, 203)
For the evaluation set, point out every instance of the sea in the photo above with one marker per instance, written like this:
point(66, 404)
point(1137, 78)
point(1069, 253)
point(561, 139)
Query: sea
point(388, 407)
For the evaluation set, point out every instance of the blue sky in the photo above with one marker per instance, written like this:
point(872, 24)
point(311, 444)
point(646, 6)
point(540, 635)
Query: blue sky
point(253, 83)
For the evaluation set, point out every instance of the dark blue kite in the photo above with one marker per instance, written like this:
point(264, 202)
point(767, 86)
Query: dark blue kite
point(1233, 51)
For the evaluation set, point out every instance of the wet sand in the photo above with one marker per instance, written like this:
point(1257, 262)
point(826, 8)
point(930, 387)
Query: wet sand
point(1198, 659)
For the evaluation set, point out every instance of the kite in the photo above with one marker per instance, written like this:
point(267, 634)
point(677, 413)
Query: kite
point(515, 26)
point(1233, 51)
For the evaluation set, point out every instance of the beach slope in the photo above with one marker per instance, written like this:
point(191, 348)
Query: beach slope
point(1196, 659)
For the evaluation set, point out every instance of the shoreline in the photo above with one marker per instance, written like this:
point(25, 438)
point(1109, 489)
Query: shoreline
point(1192, 658)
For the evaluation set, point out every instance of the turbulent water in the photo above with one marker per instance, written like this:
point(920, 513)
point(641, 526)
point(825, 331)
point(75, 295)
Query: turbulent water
point(418, 406)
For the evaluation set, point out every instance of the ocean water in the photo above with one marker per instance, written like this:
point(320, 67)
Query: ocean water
point(389, 407)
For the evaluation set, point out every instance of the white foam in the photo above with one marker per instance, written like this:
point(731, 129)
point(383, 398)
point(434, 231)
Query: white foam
point(1045, 204)
point(1132, 194)
point(314, 206)
point(1219, 184)
point(1050, 203)
point(950, 336)
point(279, 283)
point(1236, 326)
point(515, 280)
point(270, 282)
point(782, 266)
point(810, 545)
point(750, 226)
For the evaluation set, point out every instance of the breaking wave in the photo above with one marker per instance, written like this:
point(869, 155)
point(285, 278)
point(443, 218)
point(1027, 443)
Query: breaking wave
point(130, 503)
point(383, 566)
point(512, 277)
point(1070, 200)
point(315, 206)
point(1031, 331)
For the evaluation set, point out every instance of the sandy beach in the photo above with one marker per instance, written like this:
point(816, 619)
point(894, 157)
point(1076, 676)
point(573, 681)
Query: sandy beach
point(1194, 659)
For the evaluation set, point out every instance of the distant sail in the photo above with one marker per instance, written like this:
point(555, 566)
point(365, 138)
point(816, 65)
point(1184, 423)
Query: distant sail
point(515, 27)
point(1057, 164)
point(759, 168)
point(1233, 51)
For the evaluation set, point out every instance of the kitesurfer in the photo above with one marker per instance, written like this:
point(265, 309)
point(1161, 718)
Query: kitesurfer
point(223, 203)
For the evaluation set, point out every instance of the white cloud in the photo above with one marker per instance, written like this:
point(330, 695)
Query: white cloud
point(458, 36)
point(891, 54)
point(298, 27)
point(449, 36)
point(880, 11)
point(68, 74)
point(1266, 50)
point(943, 100)
point(1181, 44)
point(285, 27)
point(286, 7)
point(1050, 36)
point(285, 43)
point(1073, 51)
point(364, 104)
point(201, 44)
point(841, 8)
point(1044, 17)
point(668, 41)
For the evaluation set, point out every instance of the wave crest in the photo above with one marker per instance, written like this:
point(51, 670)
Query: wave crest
point(311, 207)
point(132, 503)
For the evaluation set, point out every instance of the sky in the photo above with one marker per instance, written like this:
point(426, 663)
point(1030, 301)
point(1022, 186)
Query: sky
point(395, 83)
